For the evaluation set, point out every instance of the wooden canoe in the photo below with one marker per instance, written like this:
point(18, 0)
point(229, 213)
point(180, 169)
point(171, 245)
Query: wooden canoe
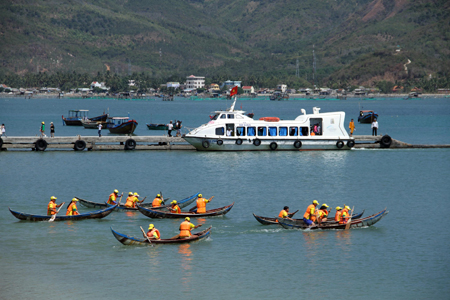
point(182, 203)
point(273, 221)
point(158, 214)
point(98, 214)
point(362, 222)
point(129, 240)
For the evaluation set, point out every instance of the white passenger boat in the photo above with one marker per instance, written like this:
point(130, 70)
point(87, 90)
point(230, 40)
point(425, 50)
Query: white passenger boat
point(232, 130)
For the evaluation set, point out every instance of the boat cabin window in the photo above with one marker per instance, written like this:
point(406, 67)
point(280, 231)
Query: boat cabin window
point(262, 131)
point(272, 131)
point(224, 116)
point(304, 131)
point(230, 116)
point(293, 131)
point(240, 131)
point(251, 131)
point(220, 131)
point(230, 129)
point(283, 131)
point(316, 125)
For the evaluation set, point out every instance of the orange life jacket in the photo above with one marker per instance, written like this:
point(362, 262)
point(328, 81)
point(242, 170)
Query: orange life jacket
point(323, 213)
point(72, 210)
point(344, 216)
point(308, 214)
point(185, 229)
point(337, 217)
point(201, 205)
point(112, 198)
point(51, 211)
point(130, 201)
point(156, 202)
point(151, 232)
point(176, 209)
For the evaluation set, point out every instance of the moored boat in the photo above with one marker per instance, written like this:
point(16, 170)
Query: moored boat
point(88, 124)
point(77, 116)
point(129, 240)
point(152, 126)
point(367, 116)
point(273, 221)
point(121, 125)
point(357, 223)
point(98, 214)
point(159, 214)
point(232, 130)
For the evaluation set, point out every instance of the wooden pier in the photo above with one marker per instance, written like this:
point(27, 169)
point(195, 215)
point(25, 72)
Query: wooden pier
point(80, 143)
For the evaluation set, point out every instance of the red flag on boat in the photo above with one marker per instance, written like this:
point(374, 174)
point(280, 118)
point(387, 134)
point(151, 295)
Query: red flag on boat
point(233, 91)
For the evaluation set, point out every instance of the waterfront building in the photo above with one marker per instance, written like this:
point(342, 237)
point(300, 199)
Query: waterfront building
point(195, 82)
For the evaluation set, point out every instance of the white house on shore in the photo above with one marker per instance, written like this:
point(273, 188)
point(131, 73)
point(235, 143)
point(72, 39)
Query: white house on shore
point(195, 82)
point(248, 89)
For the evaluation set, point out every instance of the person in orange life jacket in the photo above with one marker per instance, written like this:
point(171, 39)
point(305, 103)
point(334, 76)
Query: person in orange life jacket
point(132, 199)
point(323, 213)
point(185, 228)
point(310, 215)
point(51, 207)
point(153, 233)
point(345, 215)
point(201, 204)
point(157, 201)
point(175, 208)
point(337, 217)
point(113, 197)
point(72, 208)
point(284, 213)
point(136, 200)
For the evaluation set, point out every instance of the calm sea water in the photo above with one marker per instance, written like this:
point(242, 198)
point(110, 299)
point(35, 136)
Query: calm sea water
point(404, 256)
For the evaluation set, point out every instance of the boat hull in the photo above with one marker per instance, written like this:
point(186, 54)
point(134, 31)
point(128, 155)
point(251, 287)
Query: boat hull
point(157, 127)
point(273, 221)
point(129, 240)
point(231, 144)
point(158, 214)
point(124, 128)
point(99, 214)
point(72, 121)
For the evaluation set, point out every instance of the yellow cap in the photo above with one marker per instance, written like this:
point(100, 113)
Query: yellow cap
point(130, 193)
point(53, 198)
point(173, 202)
point(315, 202)
point(158, 196)
point(200, 195)
point(43, 122)
point(187, 219)
point(347, 207)
point(325, 205)
point(151, 226)
point(74, 199)
point(136, 194)
point(338, 208)
point(116, 191)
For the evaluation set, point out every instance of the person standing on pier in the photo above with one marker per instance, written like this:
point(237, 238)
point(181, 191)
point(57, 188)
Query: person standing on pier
point(3, 131)
point(52, 129)
point(42, 130)
point(352, 127)
point(169, 128)
point(178, 126)
point(374, 127)
point(100, 129)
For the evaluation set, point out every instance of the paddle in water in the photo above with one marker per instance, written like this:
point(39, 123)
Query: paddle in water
point(347, 226)
point(148, 239)
point(54, 216)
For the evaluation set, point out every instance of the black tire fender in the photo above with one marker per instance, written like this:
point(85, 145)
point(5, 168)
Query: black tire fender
point(79, 145)
point(385, 141)
point(351, 144)
point(40, 145)
point(239, 142)
point(1, 143)
point(220, 142)
point(130, 144)
point(273, 146)
point(256, 142)
point(205, 144)
point(298, 144)
point(339, 144)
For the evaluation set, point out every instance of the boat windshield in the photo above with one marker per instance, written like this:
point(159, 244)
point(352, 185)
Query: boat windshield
point(215, 117)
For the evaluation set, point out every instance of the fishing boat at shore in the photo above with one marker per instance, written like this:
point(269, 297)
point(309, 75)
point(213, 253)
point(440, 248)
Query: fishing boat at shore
point(129, 240)
point(158, 214)
point(98, 214)
point(273, 221)
point(121, 125)
point(152, 126)
point(357, 223)
point(232, 130)
point(76, 117)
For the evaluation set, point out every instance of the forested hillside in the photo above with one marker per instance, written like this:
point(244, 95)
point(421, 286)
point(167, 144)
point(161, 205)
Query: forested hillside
point(355, 41)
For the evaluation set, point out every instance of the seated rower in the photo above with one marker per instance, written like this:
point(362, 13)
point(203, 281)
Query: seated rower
point(337, 216)
point(323, 213)
point(175, 208)
point(201, 204)
point(185, 228)
point(310, 215)
point(345, 214)
point(284, 213)
point(51, 207)
point(72, 208)
point(130, 200)
point(153, 233)
point(113, 197)
point(157, 201)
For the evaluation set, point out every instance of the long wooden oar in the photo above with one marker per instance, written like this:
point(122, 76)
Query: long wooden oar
point(347, 226)
point(292, 214)
point(54, 216)
point(195, 207)
point(148, 239)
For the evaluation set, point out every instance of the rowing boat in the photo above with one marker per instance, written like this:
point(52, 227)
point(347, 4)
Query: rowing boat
point(129, 240)
point(182, 203)
point(362, 222)
point(157, 214)
point(98, 214)
point(273, 221)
